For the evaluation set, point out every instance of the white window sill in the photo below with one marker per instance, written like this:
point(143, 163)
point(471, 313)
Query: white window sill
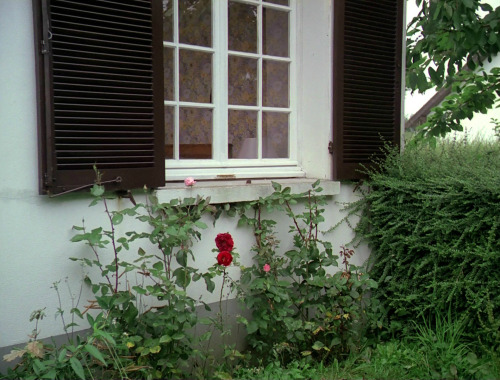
point(240, 190)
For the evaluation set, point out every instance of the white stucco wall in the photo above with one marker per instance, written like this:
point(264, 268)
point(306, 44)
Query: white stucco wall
point(35, 230)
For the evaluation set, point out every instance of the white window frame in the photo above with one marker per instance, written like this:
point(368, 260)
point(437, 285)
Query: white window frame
point(220, 167)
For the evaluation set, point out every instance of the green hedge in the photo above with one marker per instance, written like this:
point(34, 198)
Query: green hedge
point(432, 218)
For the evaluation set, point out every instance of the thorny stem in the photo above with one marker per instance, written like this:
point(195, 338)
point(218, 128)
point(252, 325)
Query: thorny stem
point(296, 224)
point(310, 217)
point(166, 262)
point(73, 304)
point(259, 224)
point(112, 242)
point(98, 259)
point(221, 291)
point(56, 287)
point(316, 214)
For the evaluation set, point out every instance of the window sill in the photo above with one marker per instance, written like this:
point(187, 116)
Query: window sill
point(240, 190)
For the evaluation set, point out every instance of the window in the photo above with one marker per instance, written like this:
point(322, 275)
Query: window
point(231, 105)
point(228, 68)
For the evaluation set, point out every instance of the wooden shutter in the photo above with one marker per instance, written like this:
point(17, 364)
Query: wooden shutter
point(100, 91)
point(366, 81)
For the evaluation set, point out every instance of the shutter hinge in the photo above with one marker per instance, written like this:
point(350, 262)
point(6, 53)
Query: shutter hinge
point(45, 43)
point(330, 147)
point(45, 49)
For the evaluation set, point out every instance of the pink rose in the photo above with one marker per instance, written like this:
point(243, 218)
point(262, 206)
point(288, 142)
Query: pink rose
point(189, 181)
point(266, 268)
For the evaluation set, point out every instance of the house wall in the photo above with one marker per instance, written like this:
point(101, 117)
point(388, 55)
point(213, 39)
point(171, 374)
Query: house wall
point(480, 126)
point(35, 230)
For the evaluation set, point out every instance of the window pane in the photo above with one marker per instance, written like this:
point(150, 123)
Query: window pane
point(242, 78)
point(168, 21)
point(242, 27)
point(242, 134)
point(195, 22)
point(279, 2)
point(195, 133)
point(275, 27)
point(195, 76)
point(168, 73)
point(274, 135)
point(169, 132)
point(275, 84)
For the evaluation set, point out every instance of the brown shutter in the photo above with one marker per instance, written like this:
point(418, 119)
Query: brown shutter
point(100, 90)
point(366, 81)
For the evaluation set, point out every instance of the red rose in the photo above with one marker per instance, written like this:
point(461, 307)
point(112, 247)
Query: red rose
point(224, 242)
point(224, 258)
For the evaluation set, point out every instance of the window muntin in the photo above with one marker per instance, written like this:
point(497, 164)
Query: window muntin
point(232, 84)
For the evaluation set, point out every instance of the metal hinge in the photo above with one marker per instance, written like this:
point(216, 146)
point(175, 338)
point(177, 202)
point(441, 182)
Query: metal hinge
point(45, 43)
point(330, 147)
point(45, 49)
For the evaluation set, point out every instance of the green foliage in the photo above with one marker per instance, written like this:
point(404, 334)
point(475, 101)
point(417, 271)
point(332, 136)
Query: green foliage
point(275, 371)
point(151, 341)
point(446, 44)
point(41, 360)
point(432, 218)
point(302, 305)
point(437, 350)
point(143, 319)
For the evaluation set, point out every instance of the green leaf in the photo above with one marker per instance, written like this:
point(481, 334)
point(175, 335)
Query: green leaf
point(77, 367)
point(200, 224)
point(165, 339)
point(468, 3)
point(412, 80)
point(181, 258)
point(139, 290)
point(335, 342)
point(252, 327)
point(78, 238)
point(105, 336)
point(492, 39)
point(97, 190)
point(62, 355)
point(422, 82)
point(117, 218)
point(178, 336)
point(209, 283)
point(92, 350)
point(434, 76)
point(52, 374)
point(155, 349)
point(318, 345)
point(158, 265)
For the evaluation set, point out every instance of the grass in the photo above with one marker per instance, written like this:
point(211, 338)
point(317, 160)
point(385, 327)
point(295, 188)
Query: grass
point(437, 349)
point(390, 360)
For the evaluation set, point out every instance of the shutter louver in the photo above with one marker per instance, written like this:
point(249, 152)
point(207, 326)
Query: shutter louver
point(103, 92)
point(367, 82)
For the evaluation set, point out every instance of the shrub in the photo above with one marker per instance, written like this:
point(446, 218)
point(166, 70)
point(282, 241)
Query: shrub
point(301, 303)
point(432, 219)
